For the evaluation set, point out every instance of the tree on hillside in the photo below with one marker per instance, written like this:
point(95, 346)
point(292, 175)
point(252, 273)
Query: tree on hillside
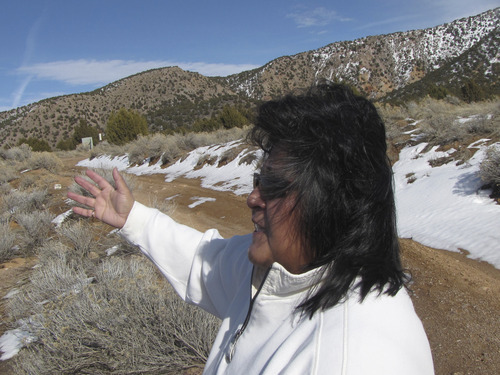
point(125, 126)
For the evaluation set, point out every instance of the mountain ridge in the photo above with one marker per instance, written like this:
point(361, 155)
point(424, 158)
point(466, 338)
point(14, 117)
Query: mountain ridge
point(375, 65)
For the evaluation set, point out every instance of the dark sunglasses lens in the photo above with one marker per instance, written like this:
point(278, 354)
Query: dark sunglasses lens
point(269, 187)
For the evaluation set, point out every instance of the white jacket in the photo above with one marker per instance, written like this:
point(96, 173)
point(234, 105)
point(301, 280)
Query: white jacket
point(264, 335)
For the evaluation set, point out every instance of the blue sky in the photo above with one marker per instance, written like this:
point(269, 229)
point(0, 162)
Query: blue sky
point(57, 47)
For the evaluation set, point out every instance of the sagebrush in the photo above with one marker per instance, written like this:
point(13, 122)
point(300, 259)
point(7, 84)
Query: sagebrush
point(124, 318)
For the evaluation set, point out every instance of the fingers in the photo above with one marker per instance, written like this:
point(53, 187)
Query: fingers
point(98, 179)
point(84, 211)
point(91, 188)
point(87, 201)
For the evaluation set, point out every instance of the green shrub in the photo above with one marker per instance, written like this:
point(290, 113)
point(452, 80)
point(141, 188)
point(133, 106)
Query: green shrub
point(230, 117)
point(66, 144)
point(125, 126)
point(36, 144)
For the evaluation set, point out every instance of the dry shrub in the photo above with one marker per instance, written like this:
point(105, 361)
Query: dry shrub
point(19, 153)
point(123, 319)
point(53, 251)
point(191, 141)
point(17, 201)
point(167, 148)
point(9, 172)
point(5, 189)
point(117, 246)
point(27, 182)
point(47, 160)
point(7, 241)
point(57, 275)
point(171, 152)
point(36, 225)
point(80, 234)
point(105, 148)
point(489, 170)
point(229, 155)
point(166, 206)
point(442, 129)
point(445, 121)
point(395, 119)
point(233, 134)
point(152, 147)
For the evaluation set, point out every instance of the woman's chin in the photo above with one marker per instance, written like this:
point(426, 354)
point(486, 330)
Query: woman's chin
point(259, 253)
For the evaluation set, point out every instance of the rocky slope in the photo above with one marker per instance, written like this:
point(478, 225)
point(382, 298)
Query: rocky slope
point(376, 65)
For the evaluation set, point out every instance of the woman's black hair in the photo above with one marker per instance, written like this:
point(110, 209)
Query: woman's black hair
point(336, 164)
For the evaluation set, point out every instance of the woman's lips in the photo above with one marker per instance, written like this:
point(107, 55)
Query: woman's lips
point(258, 228)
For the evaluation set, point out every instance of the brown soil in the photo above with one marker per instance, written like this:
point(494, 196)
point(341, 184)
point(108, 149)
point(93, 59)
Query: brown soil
point(458, 299)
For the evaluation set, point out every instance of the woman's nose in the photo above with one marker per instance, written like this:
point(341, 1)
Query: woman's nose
point(254, 200)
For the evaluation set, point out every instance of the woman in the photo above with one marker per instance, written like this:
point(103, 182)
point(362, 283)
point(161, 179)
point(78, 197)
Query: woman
point(317, 288)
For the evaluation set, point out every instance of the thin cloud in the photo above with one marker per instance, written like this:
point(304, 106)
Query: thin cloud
point(317, 17)
point(94, 72)
point(18, 94)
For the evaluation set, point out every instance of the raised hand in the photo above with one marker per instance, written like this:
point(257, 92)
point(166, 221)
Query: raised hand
point(109, 205)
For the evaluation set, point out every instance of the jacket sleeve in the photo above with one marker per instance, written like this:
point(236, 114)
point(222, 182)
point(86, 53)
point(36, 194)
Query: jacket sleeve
point(203, 268)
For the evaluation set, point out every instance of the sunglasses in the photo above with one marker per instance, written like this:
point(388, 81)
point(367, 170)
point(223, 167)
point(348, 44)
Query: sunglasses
point(270, 187)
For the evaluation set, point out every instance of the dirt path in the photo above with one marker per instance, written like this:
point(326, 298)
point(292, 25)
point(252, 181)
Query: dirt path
point(458, 299)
